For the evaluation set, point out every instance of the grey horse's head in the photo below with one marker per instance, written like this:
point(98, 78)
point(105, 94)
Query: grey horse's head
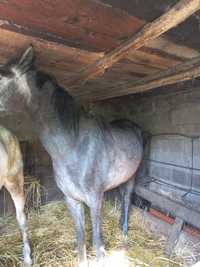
point(14, 90)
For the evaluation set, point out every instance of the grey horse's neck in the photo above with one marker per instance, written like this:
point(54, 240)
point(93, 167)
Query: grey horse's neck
point(54, 114)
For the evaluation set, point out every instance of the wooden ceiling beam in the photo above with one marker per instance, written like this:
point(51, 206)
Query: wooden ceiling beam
point(62, 61)
point(179, 73)
point(89, 25)
point(85, 24)
point(175, 50)
point(177, 14)
point(57, 59)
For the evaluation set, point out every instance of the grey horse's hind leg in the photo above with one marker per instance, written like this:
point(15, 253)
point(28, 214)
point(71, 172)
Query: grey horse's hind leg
point(77, 213)
point(95, 212)
point(126, 190)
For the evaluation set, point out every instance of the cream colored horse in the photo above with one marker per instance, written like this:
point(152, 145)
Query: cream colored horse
point(12, 178)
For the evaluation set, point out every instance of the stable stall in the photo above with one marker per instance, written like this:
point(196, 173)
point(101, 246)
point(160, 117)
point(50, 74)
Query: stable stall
point(119, 59)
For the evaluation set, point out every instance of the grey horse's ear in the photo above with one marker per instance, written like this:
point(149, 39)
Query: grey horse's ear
point(26, 60)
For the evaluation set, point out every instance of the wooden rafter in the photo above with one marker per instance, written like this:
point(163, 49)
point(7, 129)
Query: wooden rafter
point(89, 25)
point(182, 72)
point(56, 59)
point(170, 19)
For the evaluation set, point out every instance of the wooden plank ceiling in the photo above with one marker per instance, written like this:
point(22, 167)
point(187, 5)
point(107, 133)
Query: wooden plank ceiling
point(68, 35)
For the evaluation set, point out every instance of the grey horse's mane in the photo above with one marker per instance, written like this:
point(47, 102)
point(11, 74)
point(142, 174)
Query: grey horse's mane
point(68, 110)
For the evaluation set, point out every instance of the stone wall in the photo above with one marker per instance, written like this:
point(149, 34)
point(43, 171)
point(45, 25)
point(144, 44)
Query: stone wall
point(170, 111)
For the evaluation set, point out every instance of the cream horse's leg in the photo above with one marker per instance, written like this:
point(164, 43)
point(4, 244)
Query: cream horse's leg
point(17, 194)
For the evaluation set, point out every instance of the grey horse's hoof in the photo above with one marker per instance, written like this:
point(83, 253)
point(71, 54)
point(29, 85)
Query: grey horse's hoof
point(101, 253)
point(83, 264)
point(27, 262)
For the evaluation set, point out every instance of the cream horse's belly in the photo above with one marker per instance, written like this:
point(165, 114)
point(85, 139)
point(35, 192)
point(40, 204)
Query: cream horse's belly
point(3, 165)
point(10, 157)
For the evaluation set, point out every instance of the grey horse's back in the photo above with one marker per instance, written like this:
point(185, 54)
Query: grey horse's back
point(128, 124)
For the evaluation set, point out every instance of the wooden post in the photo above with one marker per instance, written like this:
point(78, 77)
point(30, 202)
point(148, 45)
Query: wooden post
point(174, 236)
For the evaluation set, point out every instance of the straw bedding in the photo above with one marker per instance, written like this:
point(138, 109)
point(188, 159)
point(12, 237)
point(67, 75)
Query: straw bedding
point(52, 237)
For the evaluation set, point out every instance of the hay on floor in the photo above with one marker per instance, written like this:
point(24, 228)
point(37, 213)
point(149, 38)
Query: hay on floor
point(52, 236)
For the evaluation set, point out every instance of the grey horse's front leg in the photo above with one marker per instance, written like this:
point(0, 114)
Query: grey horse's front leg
point(126, 191)
point(95, 211)
point(77, 212)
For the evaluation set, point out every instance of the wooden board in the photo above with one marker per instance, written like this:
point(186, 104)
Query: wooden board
point(170, 48)
point(179, 73)
point(52, 57)
point(83, 23)
point(63, 61)
point(86, 24)
point(177, 14)
point(51, 26)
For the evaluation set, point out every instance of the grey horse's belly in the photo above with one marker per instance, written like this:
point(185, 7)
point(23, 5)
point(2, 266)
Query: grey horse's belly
point(127, 155)
point(70, 182)
point(96, 166)
point(121, 172)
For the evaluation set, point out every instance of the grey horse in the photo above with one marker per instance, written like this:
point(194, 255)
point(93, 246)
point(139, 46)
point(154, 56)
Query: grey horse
point(89, 155)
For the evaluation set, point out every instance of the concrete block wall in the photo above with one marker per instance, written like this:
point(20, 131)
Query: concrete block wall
point(173, 111)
